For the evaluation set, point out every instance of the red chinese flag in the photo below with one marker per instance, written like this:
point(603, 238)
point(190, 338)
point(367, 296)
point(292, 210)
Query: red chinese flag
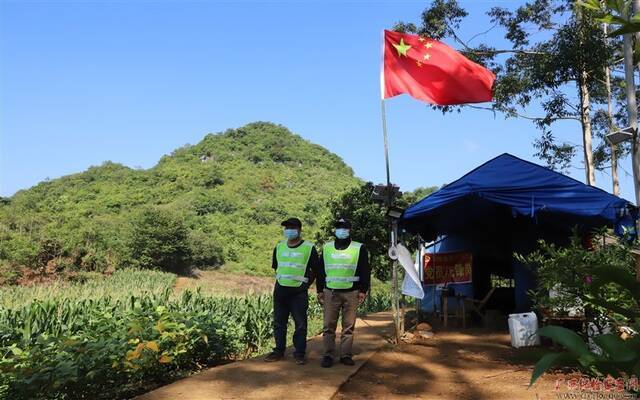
point(431, 71)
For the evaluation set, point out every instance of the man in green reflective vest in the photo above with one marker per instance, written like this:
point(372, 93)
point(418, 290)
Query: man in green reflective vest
point(343, 282)
point(296, 262)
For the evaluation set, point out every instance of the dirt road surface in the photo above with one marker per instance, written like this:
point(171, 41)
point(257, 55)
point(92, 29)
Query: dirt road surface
point(463, 365)
point(256, 379)
point(471, 364)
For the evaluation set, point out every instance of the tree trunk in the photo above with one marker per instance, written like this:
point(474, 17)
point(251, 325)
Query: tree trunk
point(635, 9)
point(632, 112)
point(614, 157)
point(585, 119)
point(614, 170)
point(585, 105)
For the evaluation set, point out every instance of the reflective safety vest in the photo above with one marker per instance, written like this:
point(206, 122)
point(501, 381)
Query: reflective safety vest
point(292, 263)
point(340, 265)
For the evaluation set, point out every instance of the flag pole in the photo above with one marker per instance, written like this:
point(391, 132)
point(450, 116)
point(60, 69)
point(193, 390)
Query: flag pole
point(393, 226)
point(386, 150)
point(395, 306)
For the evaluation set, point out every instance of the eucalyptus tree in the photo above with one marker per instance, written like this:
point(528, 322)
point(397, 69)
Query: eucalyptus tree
point(625, 16)
point(552, 70)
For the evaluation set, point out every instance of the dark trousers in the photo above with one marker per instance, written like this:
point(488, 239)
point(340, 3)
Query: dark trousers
point(295, 303)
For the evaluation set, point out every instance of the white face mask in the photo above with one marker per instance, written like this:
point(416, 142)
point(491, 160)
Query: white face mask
point(342, 233)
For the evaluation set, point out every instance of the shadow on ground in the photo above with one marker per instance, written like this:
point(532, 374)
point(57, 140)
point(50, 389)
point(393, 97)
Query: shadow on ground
point(473, 364)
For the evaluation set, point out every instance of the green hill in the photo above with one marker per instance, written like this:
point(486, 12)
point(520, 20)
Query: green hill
point(226, 195)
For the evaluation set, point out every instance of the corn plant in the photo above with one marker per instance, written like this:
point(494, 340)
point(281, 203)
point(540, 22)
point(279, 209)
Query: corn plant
point(108, 338)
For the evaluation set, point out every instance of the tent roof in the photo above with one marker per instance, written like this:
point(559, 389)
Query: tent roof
point(527, 189)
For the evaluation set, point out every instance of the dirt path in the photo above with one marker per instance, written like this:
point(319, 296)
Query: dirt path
point(255, 379)
point(466, 365)
point(463, 365)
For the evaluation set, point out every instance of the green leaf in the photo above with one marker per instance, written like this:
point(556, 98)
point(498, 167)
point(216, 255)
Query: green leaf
point(636, 369)
point(615, 347)
point(15, 350)
point(608, 367)
point(605, 275)
point(588, 360)
point(612, 19)
point(633, 343)
point(566, 338)
point(627, 28)
point(590, 4)
point(614, 307)
point(615, 5)
point(548, 361)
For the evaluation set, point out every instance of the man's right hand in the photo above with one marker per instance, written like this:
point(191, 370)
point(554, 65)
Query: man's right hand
point(321, 298)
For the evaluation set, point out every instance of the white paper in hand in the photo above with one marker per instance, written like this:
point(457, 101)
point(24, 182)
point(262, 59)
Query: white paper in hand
point(411, 286)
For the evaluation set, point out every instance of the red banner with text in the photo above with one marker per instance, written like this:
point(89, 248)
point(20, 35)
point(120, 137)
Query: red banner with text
point(447, 268)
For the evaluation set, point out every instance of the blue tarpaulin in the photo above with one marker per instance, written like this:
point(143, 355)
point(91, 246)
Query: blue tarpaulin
point(526, 191)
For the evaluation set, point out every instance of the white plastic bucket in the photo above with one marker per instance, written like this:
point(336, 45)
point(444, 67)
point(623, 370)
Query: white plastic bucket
point(523, 329)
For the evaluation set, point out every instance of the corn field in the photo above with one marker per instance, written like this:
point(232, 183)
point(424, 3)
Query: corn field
point(119, 336)
point(121, 284)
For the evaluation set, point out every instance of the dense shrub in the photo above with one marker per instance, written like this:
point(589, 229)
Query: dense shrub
point(567, 273)
point(205, 250)
point(159, 239)
point(602, 280)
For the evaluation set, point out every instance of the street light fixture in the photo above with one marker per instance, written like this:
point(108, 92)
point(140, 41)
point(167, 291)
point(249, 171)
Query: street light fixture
point(395, 212)
point(622, 135)
point(381, 193)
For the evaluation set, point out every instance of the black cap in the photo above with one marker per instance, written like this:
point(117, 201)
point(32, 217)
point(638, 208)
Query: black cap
point(342, 223)
point(293, 221)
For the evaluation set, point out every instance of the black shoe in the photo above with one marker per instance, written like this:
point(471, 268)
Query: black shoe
point(327, 362)
point(273, 356)
point(347, 361)
point(300, 360)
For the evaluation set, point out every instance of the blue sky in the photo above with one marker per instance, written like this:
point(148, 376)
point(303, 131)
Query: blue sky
point(82, 82)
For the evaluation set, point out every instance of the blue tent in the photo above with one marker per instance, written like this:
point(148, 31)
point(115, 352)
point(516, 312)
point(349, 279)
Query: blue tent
point(550, 200)
point(504, 207)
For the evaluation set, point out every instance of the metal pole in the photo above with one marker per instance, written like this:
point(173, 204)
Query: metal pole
point(392, 232)
point(386, 151)
point(421, 279)
point(394, 279)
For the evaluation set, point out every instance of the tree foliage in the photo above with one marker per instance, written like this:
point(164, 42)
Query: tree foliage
point(618, 13)
point(602, 281)
point(568, 273)
point(370, 224)
point(159, 239)
point(551, 72)
point(614, 356)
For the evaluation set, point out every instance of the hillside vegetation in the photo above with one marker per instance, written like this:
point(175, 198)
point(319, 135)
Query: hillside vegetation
point(217, 202)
